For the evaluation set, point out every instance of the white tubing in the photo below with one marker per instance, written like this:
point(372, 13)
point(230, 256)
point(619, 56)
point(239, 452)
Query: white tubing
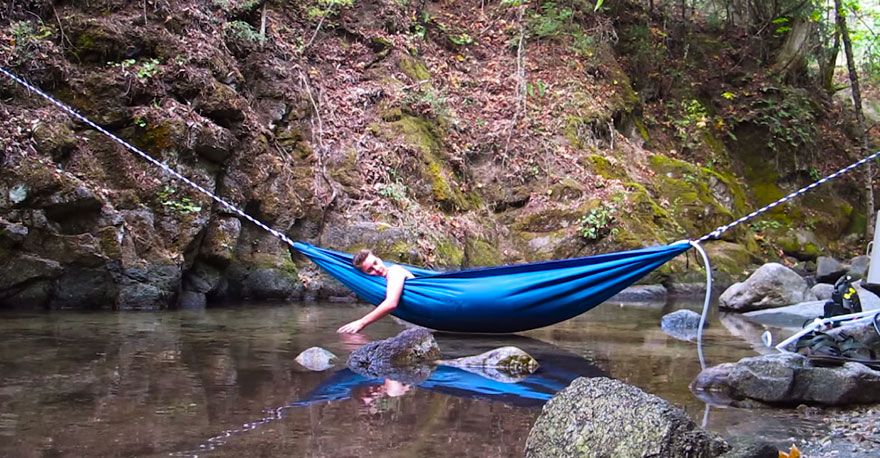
point(864, 315)
point(705, 313)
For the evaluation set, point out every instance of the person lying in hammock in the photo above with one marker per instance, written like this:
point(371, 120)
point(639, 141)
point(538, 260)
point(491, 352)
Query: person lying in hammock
point(370, 264)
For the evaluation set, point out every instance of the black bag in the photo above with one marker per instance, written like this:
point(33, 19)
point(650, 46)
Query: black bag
point(844, 299)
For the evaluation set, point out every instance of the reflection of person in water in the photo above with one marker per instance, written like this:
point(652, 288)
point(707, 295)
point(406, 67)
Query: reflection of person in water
point(375, 393)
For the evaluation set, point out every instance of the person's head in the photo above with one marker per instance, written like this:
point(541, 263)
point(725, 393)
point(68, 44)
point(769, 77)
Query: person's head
point(369, 263)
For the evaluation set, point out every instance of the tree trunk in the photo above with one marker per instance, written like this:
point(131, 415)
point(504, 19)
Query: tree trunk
point(860, 115)
point(827, 64)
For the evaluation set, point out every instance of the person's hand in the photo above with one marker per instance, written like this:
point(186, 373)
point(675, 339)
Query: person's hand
point(351, 328)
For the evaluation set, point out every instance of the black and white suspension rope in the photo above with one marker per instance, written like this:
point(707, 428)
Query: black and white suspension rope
point(147, 157)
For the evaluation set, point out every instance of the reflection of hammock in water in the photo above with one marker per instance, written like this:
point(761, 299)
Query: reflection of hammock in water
point(500, 299)
point(555, 373)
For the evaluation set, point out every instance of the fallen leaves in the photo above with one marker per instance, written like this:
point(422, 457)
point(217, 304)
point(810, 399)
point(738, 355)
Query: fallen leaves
point(793, 452)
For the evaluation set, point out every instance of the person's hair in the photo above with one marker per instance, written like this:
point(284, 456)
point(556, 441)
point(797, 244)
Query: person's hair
point(360, 257)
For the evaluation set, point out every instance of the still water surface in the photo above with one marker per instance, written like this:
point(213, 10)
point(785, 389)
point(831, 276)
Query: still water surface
point(223, 383)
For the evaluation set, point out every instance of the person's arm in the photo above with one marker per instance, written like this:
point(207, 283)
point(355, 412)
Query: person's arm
point(396, 277)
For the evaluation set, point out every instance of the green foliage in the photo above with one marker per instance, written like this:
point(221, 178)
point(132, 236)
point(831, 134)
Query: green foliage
point(461, 39)
point(147, 69)
point(762, 225)
point(693, 123)
point(537, 88)
point(243, 31)
point(393, 191)
point(550, 20)
point(25, 37)
point(427, 101)
point(140, 122)
point(814, 174)
point(788, 114)
point(236, 6)
point(183, 205)
point(328, 7)
point(583, 45)
point(597, 223)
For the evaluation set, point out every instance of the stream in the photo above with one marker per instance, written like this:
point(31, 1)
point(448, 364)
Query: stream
point(222, 382)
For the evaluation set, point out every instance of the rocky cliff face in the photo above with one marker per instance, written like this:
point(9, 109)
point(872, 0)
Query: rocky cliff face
point(447, 134)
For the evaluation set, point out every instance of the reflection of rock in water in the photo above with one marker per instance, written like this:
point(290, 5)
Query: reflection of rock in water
point(751, 332)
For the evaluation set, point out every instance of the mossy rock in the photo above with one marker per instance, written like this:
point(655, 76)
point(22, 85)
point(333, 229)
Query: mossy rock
point(414, 69)
point(690, 200)
point(448, 253)
point(828, 215)
point(56, 140)
point(434, 180)
point(603, 167)
point(800, 244)
point(566, 189)
point(548, 220)
point(482, 254)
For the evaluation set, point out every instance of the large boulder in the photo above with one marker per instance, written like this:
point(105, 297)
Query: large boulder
point(788, 379)
point(772, 285)
point(397, 357)
point(601, 417)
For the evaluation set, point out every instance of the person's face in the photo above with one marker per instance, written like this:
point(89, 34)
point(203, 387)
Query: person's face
point(372, 265)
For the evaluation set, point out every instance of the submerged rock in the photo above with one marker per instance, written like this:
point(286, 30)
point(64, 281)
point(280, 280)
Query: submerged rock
point(788, 379)
point(409, 350)
point(772, 285)
point(316, 359)
point(681, 324)
point(601, 417)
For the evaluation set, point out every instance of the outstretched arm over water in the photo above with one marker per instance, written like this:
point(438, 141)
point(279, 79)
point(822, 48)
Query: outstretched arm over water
point(396, 276)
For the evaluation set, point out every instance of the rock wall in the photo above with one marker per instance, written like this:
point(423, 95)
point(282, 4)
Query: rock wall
point(399, 126)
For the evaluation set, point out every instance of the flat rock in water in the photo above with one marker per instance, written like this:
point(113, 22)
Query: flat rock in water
point(788, 379)
point(602, 417)
point(316, 359)
point(505, 364)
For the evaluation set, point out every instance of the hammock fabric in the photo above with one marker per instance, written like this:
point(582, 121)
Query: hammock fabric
point(501, 299)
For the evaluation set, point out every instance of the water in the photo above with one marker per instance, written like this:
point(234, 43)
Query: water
point(224, 383)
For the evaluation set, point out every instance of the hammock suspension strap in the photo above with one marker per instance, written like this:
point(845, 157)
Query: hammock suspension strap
point(721, 229)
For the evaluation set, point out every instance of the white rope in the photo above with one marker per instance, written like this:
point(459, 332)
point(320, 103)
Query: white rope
point(147, 157)
point(696, 245)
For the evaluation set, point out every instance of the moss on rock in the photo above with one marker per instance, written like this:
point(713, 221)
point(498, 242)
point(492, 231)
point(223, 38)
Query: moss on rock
point(483, 254)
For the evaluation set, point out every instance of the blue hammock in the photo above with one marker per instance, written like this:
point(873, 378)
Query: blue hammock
point(501, 299)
